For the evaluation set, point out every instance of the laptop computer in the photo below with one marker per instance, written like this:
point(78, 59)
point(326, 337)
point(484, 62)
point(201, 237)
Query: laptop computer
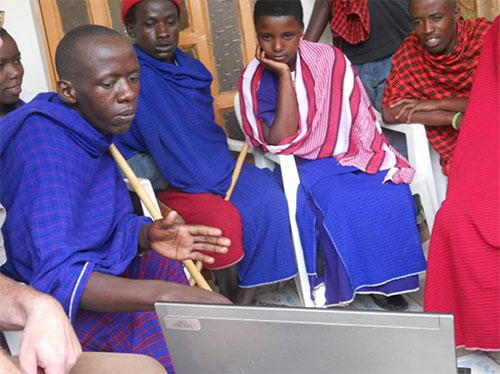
point(207, 338)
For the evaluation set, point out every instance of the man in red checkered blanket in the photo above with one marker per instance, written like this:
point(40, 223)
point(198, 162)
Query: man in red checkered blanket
point(432, 72)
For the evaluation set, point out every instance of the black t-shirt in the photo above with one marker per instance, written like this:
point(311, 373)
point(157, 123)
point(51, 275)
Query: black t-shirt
point(390, 22)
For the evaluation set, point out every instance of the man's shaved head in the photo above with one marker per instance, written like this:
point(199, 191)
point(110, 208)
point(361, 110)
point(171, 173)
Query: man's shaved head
point(99, 77)
point(70, 53)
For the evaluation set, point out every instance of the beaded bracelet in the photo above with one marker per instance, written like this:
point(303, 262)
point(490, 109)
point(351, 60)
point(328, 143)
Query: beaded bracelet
point(454, 120)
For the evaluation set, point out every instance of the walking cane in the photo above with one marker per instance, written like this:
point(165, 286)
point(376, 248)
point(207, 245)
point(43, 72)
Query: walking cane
point(129, 173)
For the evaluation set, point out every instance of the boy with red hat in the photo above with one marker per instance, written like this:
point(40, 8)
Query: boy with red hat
point(174, 135)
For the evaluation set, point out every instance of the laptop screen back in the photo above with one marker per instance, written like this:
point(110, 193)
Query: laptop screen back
point(240, 339)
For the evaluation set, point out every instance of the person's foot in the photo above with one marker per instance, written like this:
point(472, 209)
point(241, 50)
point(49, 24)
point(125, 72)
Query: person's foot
point(245, 296)
point(396, 302)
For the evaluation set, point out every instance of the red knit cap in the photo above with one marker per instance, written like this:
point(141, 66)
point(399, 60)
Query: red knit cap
point(127, 4)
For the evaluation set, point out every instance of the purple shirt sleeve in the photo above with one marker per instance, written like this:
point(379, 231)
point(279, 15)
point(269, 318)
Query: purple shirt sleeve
point(267, 97)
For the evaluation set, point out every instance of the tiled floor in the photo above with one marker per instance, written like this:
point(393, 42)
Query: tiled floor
point(286, 294)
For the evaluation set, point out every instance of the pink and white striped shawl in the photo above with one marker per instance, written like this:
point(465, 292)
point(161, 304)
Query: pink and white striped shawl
point(335, 116)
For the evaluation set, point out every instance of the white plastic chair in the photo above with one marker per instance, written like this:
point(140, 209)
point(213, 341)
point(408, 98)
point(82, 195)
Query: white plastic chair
point(148, 187)
point(291, 182)
point(425, 160)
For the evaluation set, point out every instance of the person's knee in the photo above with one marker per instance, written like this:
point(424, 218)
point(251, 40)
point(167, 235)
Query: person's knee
point(228, 219)
point(205, 209)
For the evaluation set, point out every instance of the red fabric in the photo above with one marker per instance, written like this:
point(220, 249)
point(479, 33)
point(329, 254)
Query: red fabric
point(420, 75)
point(127, 4)
point(464, 254)
point(350, 20)
point(211, 210)
point(132, 332)
point(335, 115)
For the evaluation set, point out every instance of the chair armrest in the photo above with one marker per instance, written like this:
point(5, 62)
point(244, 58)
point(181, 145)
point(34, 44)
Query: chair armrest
point(421, 155)
point(259, 158)
point(416, 143)
point(236, 145)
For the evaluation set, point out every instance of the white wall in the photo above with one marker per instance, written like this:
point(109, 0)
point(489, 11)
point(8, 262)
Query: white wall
point(21, 21)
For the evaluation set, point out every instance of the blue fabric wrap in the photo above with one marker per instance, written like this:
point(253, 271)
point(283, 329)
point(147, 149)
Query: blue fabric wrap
point(365, 229)
point(175, 103)
point(175, 125)
point(69, 212)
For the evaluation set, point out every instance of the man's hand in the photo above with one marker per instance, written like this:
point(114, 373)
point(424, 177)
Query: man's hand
point(432, 112)
point(407, 107)
point(48, 341)
point(182, 242)
point(181, 293)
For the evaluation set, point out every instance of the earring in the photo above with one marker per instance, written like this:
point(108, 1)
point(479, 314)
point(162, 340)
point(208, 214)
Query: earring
point(130, 38)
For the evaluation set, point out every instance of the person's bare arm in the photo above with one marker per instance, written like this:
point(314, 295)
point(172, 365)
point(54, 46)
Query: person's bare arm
point(48, 340)
point(109, 293)
point(286, 120)
point(180, 241)
point(433, 118)
point(438, 112)
point(318, 21)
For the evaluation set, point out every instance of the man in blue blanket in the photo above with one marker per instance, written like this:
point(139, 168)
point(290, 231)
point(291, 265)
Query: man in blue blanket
point(175, 126)
point(71, 231)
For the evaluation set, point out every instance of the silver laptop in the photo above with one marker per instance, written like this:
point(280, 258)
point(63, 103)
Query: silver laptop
point(236, 339)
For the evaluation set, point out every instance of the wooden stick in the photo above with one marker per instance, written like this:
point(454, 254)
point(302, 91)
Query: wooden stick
point(199, 267)
point(129, 173)
point(237, 170)
point(234, 179)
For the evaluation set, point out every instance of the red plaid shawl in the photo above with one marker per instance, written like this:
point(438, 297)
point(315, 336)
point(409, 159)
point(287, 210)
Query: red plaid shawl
point(350, 20)
point(335, 116)
point(418, 74)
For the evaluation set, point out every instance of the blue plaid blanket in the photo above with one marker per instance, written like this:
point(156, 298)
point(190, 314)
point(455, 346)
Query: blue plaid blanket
point(69, 214)
point(175, 125)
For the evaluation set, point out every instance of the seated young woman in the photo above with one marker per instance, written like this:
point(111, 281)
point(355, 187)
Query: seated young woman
point(355, 209)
